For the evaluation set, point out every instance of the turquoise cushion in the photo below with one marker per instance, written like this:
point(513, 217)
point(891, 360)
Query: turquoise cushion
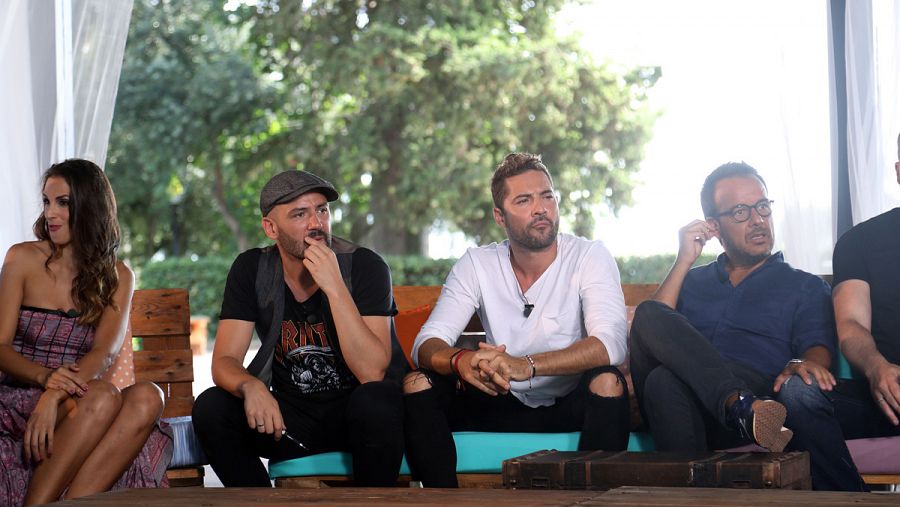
point(477, 452)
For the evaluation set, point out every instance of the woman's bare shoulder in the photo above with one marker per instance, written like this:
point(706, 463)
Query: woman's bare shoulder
point(28, 254)
point(126, 275)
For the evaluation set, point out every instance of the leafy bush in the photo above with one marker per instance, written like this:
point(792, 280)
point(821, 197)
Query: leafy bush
point(204, 279)
point(418, 270)
point(653, 268)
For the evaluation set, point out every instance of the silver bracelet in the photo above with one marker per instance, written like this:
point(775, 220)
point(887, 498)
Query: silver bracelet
point(797, 361)
point(533, 369)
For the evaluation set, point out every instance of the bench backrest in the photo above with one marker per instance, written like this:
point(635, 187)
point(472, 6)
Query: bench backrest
point(161, 319)
point(414, 296)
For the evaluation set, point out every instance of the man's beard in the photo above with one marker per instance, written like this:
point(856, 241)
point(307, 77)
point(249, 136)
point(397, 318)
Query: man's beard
point(739, 257)
point(532, 240)
point(297, 248)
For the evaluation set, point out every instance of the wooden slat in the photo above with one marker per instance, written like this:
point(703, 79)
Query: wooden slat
point(636, 293)
point(181, 389)
point(160, 312)
point(178, 341)
point(164, 365)
point(177, 407)
point(185, 477)
point(279, 497)
point(881, 478)
point(408, 297)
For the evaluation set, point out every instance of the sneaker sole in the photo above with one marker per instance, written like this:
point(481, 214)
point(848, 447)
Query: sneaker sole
point(768, 425)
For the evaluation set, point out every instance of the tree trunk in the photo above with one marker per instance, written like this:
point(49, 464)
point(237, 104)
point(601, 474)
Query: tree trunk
point(221, 204)
point(390, 234)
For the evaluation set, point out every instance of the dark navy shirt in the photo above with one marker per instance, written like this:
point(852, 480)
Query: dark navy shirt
point(772, 316)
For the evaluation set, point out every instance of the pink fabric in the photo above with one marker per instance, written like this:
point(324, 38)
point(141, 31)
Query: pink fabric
point(53, 339)
point(871, 455)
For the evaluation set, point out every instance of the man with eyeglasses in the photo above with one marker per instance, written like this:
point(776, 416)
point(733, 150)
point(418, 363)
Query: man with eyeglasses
point(718, 340)
point(867, 311)
point(554, 318)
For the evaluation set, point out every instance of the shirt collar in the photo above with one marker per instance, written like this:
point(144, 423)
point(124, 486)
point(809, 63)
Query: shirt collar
point(722, 261)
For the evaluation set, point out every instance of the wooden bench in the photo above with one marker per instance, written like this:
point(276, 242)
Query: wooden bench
point(161, 326)
point(409, 297)
point(414, 298)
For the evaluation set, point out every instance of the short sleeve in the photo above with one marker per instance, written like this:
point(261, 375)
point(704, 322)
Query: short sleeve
point(239, 301)
point(371, 282)
point(848, 260)
point(814, 319)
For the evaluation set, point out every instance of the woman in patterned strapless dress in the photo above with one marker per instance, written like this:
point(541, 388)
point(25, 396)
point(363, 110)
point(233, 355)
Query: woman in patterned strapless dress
point(64, 305)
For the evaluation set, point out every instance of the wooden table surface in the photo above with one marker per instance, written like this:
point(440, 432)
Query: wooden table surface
point(628, 495)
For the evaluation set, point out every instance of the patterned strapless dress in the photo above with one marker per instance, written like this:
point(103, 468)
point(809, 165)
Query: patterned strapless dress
point(52, 338)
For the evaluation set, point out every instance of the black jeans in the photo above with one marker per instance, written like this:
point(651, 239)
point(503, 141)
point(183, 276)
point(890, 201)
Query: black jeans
point(433, 414)
point(682, 384)
point(857, 412)
point(368, 422)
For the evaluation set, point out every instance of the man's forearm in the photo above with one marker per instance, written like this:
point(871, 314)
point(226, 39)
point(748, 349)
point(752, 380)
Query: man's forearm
point(670, 288)
point(434, 354)
point(858, 346)
point(819, 355)
point(365, 353)
point(229, 374)
point(577, 358)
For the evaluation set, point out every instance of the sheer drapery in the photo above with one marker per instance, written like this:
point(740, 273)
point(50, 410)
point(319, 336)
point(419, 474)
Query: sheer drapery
point(799, 169)
point(39, 101)
point(872, 49)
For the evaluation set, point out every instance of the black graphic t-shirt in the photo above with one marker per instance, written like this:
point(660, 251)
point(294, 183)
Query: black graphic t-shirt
point(307, 359)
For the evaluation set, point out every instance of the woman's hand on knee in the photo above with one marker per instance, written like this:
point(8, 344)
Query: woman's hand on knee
point(65, 378)
point(38, 442)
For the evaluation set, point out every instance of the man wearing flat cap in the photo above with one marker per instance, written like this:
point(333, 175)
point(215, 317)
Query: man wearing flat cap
point(322, 309)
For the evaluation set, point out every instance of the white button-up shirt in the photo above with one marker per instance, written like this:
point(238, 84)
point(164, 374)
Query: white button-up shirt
point(578, 297)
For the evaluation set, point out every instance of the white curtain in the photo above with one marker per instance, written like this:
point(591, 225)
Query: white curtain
point(61, 63)
point(799, 121)
point(873, 105)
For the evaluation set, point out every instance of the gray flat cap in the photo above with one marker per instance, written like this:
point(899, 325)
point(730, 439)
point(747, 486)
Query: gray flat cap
point(287, 186)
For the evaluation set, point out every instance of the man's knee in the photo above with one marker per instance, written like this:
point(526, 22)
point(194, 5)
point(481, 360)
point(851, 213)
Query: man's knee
point(659, 385)
point(797, 395)
point(209, 407)
point(648, 311)
point(608, 384)
point(416, 381)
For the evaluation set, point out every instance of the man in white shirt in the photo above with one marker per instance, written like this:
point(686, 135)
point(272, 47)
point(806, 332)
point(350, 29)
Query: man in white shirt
point(554, 318)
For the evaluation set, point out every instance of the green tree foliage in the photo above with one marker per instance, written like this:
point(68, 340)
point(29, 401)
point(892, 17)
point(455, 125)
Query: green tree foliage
point(406, 105)
point(423, 98)
point(191, 111)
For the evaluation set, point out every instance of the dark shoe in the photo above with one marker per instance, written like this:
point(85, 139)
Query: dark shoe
point(762, 421)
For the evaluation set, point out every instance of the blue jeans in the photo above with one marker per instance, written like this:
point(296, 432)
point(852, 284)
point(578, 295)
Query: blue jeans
point(682, 383)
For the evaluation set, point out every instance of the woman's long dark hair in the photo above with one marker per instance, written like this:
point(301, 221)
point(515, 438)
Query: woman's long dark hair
point(94, 236)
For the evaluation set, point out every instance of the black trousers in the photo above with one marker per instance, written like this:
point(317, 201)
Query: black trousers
point(433, 414)
point(682, 382)
point(367, 422)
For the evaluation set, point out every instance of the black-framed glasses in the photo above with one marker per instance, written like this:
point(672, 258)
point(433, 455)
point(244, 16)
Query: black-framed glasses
point(742, 212)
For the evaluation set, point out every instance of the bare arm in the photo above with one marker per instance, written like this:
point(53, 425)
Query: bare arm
point(692, 239)
point(436, 355)
point(500, 367)
point(108, 336)
point(12, 290)
point(111, 329)
point(260, 407)
point(853, 316)
point(365, 341)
